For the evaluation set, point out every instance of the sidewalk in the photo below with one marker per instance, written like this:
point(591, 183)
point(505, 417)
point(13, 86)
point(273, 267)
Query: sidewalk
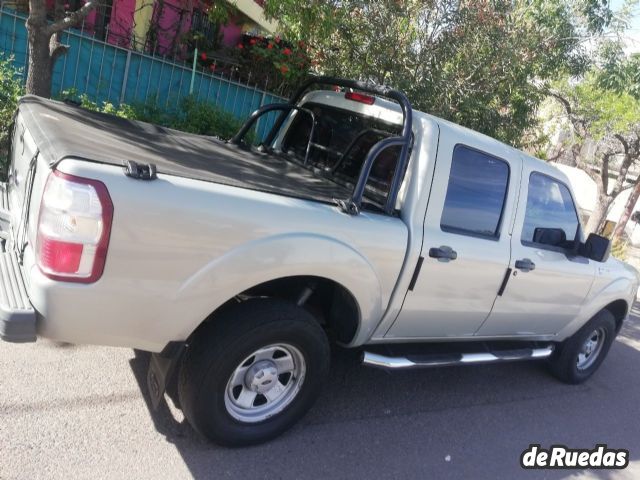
point(633, 259)
point(633, 256)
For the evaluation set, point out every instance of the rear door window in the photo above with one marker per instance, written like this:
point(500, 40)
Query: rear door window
point(476, 194)
point(340, 143)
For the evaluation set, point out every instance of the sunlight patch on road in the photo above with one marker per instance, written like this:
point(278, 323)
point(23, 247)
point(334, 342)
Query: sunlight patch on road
point(629, 342)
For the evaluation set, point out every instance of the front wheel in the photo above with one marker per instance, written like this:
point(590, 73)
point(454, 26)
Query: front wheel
point(253, 372)
point(580, 356)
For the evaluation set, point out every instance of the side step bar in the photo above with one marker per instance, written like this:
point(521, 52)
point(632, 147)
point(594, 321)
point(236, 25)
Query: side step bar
point(438, 360)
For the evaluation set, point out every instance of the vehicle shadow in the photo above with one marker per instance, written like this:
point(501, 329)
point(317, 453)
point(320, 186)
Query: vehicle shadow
point(455, 422)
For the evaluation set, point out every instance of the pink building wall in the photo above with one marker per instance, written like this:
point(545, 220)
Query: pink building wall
point(172, 23)
point(232, 32)
point(121, 24)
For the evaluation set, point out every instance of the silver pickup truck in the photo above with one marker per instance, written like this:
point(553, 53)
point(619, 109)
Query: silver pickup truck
point(355, 220)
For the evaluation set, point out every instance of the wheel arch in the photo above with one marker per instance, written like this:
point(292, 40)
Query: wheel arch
point(332, 304)
point(282, 261)
point(619, 309)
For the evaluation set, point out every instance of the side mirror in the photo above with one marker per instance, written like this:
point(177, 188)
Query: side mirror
point(596, 248)
point(550, 236)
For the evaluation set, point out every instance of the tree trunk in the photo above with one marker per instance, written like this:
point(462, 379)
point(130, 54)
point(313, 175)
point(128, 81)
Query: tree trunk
point(44, 42)
point(39, 69)
point(39, 75)
point(634, 196)
point(598, 217)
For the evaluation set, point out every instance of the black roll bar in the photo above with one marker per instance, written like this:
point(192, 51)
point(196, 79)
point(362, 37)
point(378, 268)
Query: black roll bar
point(253, 118)
point(354, 203)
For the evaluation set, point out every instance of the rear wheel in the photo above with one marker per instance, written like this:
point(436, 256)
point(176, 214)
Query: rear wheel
point(253, 372)
point(580, 356)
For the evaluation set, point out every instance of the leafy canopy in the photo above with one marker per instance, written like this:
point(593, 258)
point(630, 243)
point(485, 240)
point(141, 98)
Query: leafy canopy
point(482, 63)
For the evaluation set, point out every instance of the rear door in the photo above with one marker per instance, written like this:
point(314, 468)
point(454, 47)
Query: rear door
point(547, 283)
point(466, 242)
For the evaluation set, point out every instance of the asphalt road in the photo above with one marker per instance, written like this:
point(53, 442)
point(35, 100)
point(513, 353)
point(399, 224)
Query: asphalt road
point(81, 412)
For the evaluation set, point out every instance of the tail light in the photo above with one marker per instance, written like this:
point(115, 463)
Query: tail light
point(360, 97)
point(73, 228)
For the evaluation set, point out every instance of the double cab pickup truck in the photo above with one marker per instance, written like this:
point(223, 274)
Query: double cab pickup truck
point(353, 220)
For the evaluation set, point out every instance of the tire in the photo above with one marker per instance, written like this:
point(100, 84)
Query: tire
point(571, 363)
point(250, 344)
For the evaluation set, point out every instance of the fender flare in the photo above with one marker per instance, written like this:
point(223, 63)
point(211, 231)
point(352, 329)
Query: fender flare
point(272, 258)
point(620, 289)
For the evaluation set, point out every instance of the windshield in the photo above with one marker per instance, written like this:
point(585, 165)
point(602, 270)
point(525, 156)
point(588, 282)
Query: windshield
point(340, 143)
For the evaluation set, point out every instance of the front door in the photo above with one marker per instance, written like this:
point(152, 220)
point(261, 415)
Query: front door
point(465, 250)
point(548, 283)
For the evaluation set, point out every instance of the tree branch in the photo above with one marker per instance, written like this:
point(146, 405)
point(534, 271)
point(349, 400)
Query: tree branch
point(73, 18)
point(604, 172)
point(623, 141)
point(577, 122)
point(56, 50)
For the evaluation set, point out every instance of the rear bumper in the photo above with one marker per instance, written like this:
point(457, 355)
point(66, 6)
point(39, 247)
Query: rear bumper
point(17, 316)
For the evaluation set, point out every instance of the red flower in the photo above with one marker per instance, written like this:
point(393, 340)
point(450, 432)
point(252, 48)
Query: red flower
point(270, 46)
point(284, 69)
point(203, 56)
point(253, 41)
point(212, 67)
point(287, 51)
point(277, 39)
point(240, 46)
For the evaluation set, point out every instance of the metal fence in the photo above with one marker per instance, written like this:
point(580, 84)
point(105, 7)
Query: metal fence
point(108, 73)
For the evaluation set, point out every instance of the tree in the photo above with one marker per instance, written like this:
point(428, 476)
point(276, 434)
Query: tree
point(44, 41)
point(604, 138)
point(622, 74)
point(634, 196)
point(484, 64)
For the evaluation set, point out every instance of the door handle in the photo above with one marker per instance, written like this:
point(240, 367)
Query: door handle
point(443, 252)
point(525, 265)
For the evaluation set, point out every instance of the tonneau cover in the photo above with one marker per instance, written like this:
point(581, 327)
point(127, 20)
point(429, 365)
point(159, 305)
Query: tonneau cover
point(64, 131)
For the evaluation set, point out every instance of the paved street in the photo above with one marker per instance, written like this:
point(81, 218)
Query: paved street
point(81, 412)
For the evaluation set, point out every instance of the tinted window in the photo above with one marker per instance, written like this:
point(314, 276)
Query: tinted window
point(476, 193)
point(341, 141)
point(550, 218)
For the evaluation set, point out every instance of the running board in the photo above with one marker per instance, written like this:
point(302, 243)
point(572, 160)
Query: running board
point(442, 360)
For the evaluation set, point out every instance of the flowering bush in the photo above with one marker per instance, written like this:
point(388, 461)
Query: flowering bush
point(273, 62)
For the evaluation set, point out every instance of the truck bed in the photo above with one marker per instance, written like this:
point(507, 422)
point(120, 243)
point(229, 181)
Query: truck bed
point(65, 131)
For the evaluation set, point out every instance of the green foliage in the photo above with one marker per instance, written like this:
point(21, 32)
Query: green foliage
point(123, 110)
point(602, 112)
point(219, 11)
point(191, 115)
point(204, 118)
point(11, 89)
point(484, 64)
point(619, 72)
